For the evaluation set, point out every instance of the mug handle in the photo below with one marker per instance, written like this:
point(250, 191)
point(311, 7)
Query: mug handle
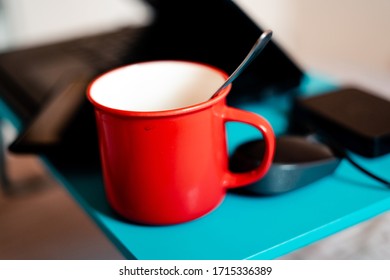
point(234, 180)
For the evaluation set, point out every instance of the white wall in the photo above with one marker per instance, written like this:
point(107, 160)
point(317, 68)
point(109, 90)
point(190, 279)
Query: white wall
point(349, 39)
point(35, 21)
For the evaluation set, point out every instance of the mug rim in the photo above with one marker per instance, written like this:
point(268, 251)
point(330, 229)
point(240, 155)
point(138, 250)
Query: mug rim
point(160, 113)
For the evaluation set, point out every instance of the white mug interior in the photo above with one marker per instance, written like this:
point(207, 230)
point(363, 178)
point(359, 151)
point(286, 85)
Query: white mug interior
point(156, 86)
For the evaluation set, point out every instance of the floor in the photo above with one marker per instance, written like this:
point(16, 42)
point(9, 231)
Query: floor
point(39, 220)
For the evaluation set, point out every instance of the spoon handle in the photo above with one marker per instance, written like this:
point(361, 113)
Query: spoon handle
point(259, 45)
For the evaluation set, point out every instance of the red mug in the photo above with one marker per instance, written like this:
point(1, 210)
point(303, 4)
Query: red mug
point(163, 140)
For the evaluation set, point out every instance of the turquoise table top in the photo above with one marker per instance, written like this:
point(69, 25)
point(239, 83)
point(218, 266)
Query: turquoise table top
point(243, 226)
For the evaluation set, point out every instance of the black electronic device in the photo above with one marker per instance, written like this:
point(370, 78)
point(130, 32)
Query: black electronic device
point(355, 119)
point(45, 85)
point(298, 161)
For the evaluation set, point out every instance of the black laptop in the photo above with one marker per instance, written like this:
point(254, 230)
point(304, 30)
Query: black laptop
point(45, 85)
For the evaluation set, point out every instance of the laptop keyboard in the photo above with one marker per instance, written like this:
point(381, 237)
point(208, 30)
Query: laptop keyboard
point(30, 77)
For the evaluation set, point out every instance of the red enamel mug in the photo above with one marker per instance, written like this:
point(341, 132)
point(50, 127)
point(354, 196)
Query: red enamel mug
point(163, 140)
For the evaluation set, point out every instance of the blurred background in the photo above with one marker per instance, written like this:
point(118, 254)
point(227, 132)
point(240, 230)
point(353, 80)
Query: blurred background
point(343, 40)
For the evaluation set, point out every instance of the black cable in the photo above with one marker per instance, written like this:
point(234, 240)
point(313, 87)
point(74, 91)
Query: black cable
point(365, 171)
point(342, 153)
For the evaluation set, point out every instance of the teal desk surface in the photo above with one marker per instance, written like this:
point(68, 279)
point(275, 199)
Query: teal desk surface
point(243, 226)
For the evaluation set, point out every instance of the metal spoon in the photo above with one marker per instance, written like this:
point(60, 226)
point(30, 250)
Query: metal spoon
point(256, 49)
